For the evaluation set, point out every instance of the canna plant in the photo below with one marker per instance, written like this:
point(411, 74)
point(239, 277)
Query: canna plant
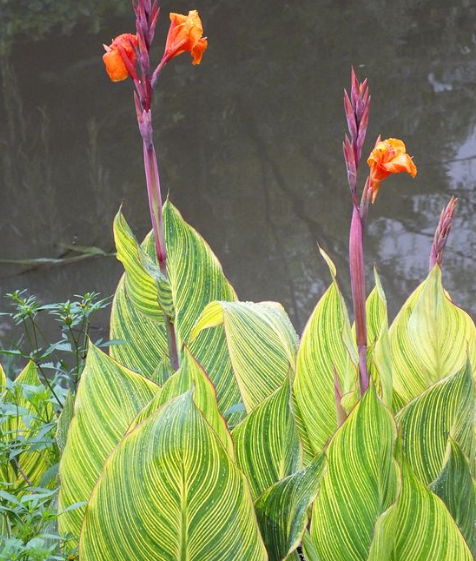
point(214, 433)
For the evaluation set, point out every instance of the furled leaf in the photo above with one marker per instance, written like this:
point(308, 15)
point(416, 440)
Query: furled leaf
point(109, 397)
point(141, 288)
point(380, 358)
point(261, 341)
point(266, 442)
point(360, 483)
point(171, 491)
point(430, 339)
point(145, 343)
point(282, 509)
point(425, 529)
point(457, 489)
point(447, 408)
point(326, 347)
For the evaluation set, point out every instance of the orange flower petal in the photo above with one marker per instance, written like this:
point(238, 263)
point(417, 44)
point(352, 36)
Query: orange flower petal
point(388, 157)
point(185, 35)
point(115, 66)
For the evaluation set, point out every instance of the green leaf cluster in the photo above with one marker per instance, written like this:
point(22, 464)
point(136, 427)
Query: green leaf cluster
point(260, 446)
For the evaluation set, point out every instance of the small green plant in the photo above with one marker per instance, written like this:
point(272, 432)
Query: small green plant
point(35, 409)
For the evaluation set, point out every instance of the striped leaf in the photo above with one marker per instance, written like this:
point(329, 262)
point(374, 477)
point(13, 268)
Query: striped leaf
point(425, 528)
point(360, 483)
point(109, 398)
point(141, 287)
point(282, 509)
point(326, 347)
point(171, 491)
point(191, 375)
point(29, 417)
point(380, 358)
point(448, 408)
point(430, 339)
point(457, 489)
point(195, 278)
point(266, 442)
point(64, 420)
point(261, 341)
point(3, 380)
point(308, 548)
point(145, 343)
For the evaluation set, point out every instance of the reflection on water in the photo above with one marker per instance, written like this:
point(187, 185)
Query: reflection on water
point(249, 142)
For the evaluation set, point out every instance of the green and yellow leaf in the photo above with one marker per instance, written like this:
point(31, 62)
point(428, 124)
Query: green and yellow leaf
point(457, 489)
point(282, 509)
point(359, 486)
point(430, 339)
point(261, 341)
point(171, 491)
point(326, 347)
point(266, 442)
point(189, 376)
point(425, 529)
point(448, 408)
point(379, 356)
point(144, 341)
point(109, 398)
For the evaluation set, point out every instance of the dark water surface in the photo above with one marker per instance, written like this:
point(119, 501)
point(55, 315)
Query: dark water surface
point(249, 142)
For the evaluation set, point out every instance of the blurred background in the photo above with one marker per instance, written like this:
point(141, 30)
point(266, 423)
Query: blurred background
point(249, 143)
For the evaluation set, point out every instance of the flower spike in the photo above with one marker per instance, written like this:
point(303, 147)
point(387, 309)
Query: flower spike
point(442, 233)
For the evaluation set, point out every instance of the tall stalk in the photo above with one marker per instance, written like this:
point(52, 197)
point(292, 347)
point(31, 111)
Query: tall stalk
point(357, 107)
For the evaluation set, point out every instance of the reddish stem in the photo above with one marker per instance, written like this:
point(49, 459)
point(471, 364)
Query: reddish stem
point(357, 277)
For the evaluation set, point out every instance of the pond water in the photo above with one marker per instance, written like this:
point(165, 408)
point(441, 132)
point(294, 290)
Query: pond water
point(249, 142)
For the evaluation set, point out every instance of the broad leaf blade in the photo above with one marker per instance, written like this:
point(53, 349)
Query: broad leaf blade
point(171, 491)
point(425, 529)
point(360, 483)
point(457, 489)
point(326, 347)
point(189, 376)
point(282, 509)
point(108, 399)
point(266, 442)
point(261, 341)
point(430, 339)
point(447, 408)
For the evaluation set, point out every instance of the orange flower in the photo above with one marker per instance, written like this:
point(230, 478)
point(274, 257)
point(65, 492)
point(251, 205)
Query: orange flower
point(389, 156)
point(185, 34)
point(115, 66)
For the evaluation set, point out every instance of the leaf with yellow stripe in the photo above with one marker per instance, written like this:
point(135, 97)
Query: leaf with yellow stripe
point(171, 491)
point(195, 278)
point(261, 341)
point(326, 347)
point(144, 343)
point(359, 486)
point(282, 509)
point(457, 489)
point(28, 417)
point(430, 339)
point(447, 408)
point(266, 442)
point(109, 398)
point(380, 357)
point(141, 287)
point(191, 375)
point(425, 529)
